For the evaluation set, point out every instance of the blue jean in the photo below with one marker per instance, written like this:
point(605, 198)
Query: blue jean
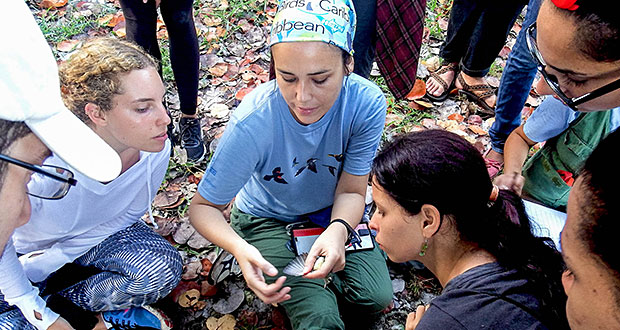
point(515, 84)
point(365, 36)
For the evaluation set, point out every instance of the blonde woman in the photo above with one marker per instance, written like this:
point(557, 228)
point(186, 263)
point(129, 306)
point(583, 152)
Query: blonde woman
point(90, 252)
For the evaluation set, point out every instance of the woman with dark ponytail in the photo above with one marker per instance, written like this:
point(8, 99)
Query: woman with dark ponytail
point(436, 204)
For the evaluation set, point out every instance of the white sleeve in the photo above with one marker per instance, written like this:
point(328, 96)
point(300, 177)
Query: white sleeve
point(18, 291)
point(38, 265)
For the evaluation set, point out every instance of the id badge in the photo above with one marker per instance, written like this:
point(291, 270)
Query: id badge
point(303, 238)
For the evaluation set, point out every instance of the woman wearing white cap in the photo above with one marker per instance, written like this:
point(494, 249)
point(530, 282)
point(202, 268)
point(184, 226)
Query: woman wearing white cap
point(297, 145)
point(33, 120)
point(100, 263)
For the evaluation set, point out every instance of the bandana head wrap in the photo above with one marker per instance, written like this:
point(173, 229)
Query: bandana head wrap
point(330, 21)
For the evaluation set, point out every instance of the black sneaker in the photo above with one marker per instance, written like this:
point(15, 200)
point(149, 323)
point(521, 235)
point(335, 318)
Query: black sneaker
point(174, 139)
point(191, 139)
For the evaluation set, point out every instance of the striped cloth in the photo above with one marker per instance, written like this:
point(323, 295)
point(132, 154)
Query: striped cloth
point(136, 267)
point(400, 26)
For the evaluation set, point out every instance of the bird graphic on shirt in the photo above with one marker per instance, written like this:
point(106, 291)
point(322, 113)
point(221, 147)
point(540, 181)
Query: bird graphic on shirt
point(310, 165)
point(295, 162)
point(338, 157)
point(332, 169)
point(276, 175)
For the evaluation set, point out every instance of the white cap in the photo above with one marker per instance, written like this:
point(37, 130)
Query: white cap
point(30, 92)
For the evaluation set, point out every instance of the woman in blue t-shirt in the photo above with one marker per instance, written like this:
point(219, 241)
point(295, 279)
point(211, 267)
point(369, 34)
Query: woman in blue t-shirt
point(436, 204)
point(301, 146)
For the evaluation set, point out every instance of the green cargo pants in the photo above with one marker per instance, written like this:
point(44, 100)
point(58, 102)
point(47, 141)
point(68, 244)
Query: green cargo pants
point(358, 292)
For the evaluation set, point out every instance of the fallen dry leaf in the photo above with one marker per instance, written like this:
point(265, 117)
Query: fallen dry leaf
point(219, 110)
point(120, 30)
point(160, 24)
point(248, 76)
point(226, 322)
point(248, 318)
point(219, 69)
point(243, 92)
point(191, 270)
point(207, 290)
point(206, 266)
point(477, 129)
point(167, 198)
point(424, 103)
point(211, 20)
point(393, 119)
point(195, 178)
point(416, 106)
point(111, 20)
point(456, 117)
point(474, 120)
point(189, 298)
point(67, 45)
point(184, 231)
point(417, 91)
point(186, 293)
point(52, 4)
point(429, 123)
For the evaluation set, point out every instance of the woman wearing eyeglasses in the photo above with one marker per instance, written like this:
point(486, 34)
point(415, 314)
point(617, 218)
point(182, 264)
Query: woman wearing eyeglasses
point(580, 66)
point(99, 260)
point(576, 45)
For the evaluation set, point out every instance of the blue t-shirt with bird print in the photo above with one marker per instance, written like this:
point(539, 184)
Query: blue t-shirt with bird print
point(279, 168)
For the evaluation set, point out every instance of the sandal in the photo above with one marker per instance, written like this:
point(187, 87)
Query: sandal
point(470, 91)
point(447, 88)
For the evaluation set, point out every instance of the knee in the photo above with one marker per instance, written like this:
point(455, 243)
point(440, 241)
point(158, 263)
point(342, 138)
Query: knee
point(157, 271)
point(370, 299)
point(373, 302)
point(179, 19)
point(315, 320)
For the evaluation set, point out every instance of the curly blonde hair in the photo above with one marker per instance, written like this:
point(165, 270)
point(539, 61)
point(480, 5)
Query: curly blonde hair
point(93, 73)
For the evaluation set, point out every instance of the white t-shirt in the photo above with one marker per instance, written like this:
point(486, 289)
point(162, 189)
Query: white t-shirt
point(60, 231)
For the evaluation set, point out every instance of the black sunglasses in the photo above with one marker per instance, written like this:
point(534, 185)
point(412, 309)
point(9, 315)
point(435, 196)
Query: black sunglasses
point(56, 188)
point(552, 80)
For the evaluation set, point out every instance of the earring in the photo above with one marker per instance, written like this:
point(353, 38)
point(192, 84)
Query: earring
point(424, 248)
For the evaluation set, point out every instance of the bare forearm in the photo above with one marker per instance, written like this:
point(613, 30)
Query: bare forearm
point(515, 154)
point(349, 200)
point(209, 221)
point(349, 207)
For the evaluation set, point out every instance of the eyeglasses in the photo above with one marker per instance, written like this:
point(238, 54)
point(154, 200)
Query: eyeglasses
point(552, 80)
point(46, 181)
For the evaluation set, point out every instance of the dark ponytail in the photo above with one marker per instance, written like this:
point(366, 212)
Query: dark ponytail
point(440, 168)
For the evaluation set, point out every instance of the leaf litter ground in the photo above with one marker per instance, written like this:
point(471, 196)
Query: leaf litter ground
point(234, 59)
